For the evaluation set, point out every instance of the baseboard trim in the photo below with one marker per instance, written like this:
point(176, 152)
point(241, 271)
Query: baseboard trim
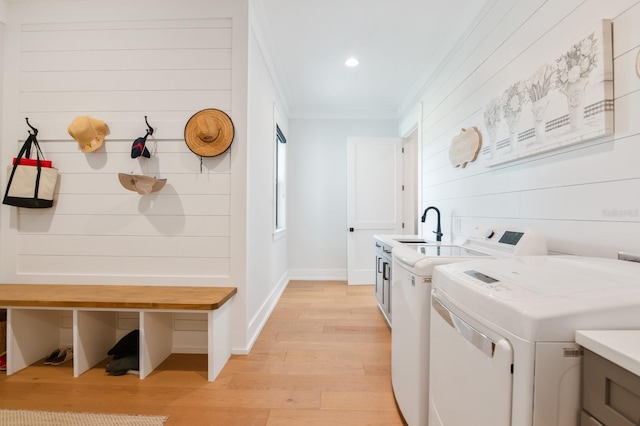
point(318, 274)
point(260, 319)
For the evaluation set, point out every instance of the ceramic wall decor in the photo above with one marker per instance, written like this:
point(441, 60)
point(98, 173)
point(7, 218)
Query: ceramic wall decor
point(465, 147)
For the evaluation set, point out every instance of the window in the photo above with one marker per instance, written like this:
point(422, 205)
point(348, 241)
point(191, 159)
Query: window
point(280, 180)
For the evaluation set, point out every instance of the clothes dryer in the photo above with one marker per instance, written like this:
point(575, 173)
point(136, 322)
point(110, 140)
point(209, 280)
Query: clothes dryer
point(503, 335)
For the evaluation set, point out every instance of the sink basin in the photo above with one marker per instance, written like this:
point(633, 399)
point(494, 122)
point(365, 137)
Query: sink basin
point(411, 240)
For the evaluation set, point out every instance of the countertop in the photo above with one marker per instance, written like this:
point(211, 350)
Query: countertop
point(622, 347)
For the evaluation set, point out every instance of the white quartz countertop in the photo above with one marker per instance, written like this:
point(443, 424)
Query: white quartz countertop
point(622, 347)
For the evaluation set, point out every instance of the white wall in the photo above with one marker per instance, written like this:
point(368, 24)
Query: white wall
point(317, 151)
point(585, 198)
point(3, 17)
point(266, 253)
point(119, 61)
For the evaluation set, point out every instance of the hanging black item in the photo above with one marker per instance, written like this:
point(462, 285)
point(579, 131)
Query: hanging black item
point(139, 149)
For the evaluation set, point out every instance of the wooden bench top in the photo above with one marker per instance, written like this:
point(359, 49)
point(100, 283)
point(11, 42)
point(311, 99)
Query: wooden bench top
point(114, 296)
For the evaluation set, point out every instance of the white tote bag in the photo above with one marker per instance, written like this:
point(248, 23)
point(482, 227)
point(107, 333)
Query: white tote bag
point(31, 183)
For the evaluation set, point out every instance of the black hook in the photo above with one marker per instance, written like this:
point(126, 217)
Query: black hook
point(35, 131)
point(149, 128)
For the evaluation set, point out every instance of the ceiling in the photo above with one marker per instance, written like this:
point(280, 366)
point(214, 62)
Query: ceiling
point(399, 45)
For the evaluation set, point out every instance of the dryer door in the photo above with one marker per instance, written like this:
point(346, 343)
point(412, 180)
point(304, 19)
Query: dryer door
point(470, 374)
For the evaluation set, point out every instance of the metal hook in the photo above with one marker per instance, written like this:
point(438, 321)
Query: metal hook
point(35, 131)
point(149, 129)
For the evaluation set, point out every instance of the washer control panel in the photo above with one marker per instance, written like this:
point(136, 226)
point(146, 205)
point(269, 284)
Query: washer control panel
point(483, 283)
point(512, 241)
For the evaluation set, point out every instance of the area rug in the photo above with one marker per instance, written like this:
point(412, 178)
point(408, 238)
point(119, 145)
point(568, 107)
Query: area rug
point(48, 418)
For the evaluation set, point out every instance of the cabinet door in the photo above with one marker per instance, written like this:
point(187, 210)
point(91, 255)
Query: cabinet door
point(610, 393)
point(386, 288)
point(379, 277)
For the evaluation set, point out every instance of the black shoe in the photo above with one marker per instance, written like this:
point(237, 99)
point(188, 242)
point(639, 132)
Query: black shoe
point(65, 355)
point(53, 356)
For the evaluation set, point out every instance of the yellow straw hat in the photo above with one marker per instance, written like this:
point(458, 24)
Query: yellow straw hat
point(89, 132)
point(209, 132)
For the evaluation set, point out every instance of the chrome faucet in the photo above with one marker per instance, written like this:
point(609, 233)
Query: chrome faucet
point(438, 230)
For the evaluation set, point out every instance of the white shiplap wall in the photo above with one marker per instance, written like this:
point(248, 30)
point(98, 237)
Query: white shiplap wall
point(120, 71)
point(119, 61)
point(585, 198)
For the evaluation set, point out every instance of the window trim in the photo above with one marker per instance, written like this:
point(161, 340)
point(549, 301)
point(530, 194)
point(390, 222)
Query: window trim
point(279, 138)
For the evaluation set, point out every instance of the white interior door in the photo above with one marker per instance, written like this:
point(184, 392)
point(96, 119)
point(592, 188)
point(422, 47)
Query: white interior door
point(374, 205)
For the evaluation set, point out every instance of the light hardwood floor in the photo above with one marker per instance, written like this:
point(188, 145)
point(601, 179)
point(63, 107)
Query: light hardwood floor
point(323, 358)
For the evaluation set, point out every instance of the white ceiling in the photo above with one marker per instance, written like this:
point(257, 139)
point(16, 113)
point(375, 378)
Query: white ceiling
point(399, 43)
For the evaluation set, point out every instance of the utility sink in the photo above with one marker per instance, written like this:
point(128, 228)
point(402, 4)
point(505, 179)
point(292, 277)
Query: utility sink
point(411, 240)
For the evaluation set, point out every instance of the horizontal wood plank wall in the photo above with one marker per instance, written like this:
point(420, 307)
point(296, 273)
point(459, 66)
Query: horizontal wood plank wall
point(585, 198)
point(120, 71)
point(119, 61)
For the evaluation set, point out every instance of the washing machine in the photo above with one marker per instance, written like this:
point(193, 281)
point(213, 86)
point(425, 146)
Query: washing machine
point(502, 339)
point(413, 266)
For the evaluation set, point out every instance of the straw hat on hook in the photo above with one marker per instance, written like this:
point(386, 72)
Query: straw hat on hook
point(141, 184)
point(89, 132)
point(209, 132)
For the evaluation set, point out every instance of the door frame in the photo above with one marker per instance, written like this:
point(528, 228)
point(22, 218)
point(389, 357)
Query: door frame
point(410, 184)
point(412, 122)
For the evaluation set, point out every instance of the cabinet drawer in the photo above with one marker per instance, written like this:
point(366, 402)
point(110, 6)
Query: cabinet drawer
point(610, 393)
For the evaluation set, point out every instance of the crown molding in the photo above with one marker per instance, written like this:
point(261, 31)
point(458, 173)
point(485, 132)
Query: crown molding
point(257, 24)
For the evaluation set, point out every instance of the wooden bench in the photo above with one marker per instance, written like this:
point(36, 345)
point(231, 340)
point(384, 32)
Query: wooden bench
point(33, 321)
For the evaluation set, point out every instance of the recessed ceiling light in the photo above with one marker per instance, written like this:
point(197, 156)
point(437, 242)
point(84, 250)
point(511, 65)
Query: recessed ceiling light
point(352, 62)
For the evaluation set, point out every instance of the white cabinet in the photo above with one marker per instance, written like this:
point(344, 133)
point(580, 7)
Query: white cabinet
point(35, 314)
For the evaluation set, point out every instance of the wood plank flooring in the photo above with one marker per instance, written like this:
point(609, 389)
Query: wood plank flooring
point(323, 358)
